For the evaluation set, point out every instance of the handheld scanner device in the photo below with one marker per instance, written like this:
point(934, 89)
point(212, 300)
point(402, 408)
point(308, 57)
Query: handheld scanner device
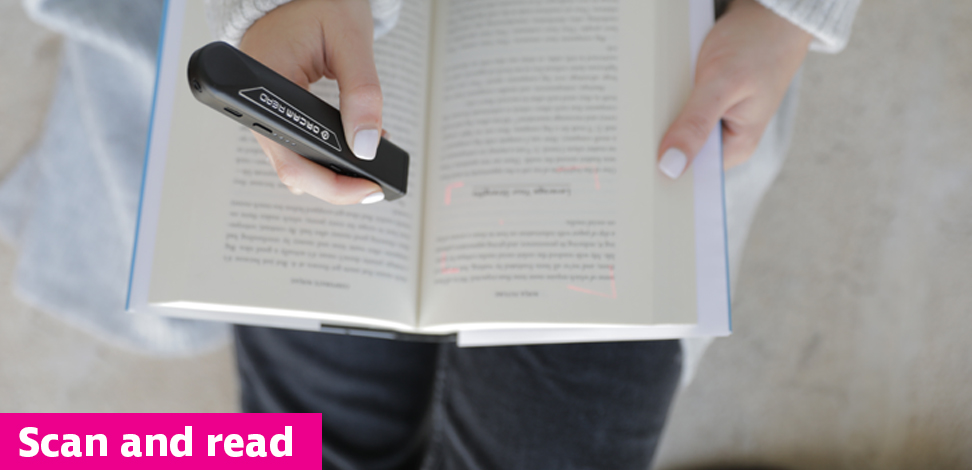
point(235, 84)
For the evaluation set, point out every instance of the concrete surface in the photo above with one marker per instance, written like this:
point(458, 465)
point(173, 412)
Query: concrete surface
point(852, 316)
point(46, 366)
point(852, 312)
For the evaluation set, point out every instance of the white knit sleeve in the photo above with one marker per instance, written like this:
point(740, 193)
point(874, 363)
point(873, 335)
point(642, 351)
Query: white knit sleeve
point(829, 21)
point(229, 19)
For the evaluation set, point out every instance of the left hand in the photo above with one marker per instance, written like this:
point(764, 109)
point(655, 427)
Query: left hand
point(744, 68)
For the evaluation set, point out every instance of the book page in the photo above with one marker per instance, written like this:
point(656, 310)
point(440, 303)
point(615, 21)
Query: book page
point(542, 193)
point(232, 238)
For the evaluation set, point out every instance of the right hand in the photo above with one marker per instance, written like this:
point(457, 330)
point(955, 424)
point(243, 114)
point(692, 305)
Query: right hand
point(305, 40)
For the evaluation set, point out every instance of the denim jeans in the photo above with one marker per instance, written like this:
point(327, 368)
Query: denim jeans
point(407, 405)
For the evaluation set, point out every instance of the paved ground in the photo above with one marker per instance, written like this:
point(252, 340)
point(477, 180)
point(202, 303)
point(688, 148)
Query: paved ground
point(852, 311)
point(45, 365)
point(851, 347)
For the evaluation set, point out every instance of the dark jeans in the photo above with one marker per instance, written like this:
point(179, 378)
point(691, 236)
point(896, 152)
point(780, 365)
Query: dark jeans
point(404, 405)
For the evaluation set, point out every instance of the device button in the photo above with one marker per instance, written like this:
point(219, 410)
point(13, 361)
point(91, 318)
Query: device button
point(262, 127)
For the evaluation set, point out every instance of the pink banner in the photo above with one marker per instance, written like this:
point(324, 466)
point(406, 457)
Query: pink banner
point(147, 440)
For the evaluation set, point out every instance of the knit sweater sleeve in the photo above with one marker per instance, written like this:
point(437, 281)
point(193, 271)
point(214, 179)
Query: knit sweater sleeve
point(229, 19)
point(829, 21)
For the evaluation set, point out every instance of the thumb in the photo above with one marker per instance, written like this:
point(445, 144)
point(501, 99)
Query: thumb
point(348, 39)
point(691, 129)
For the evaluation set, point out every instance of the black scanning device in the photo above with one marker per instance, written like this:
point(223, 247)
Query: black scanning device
point(235, 84)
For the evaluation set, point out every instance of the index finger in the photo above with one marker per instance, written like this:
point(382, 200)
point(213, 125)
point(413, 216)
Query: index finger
point(298, 172)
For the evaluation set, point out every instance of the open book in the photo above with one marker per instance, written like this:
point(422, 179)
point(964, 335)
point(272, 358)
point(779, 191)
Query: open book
point(535, 212)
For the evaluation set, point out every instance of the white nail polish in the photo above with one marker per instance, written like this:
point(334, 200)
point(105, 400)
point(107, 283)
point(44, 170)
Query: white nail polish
point(373, 198)
point(673, 162)
point(366, 144)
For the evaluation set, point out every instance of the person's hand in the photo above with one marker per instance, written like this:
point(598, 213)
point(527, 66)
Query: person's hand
point(305, 40)
point(744, 68)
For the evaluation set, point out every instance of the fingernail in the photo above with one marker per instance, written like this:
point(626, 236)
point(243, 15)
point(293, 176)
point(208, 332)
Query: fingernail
point(673, 162)
point(373, 198)
point(366, 144)
point(295, 191)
